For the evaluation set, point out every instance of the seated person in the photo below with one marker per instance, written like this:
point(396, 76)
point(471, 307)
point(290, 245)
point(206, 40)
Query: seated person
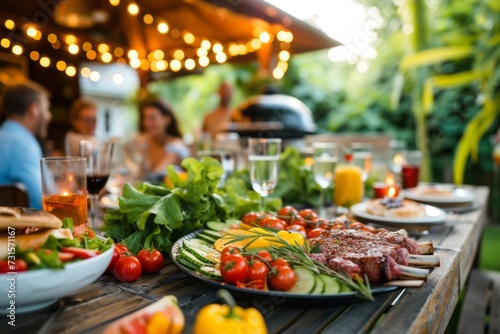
point(217, 120)
point(83, 119)
point(163, 139)
point(25, 107)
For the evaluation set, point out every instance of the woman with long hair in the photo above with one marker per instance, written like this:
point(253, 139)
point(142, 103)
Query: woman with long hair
point(164, 144)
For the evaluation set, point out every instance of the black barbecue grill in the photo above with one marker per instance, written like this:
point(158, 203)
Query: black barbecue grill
point(276, 115)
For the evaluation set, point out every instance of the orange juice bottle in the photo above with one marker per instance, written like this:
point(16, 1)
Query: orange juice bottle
point(349, 186)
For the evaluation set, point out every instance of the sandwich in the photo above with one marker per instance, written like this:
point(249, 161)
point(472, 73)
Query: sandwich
point(25, 228)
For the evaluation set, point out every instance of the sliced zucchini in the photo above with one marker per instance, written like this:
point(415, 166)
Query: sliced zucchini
point(305, 281)
point(210, 272)
point(207, 238)
point(332, 286)
point(235, 222)
point(189, 260)
point(214, 234)
point(196, 241)
point(216, 226)
point(345, 288)
point(319, 284)
point(202, 245)
point(200, 255)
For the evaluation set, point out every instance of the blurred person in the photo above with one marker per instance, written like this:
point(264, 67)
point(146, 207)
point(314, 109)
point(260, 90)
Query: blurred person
point(25, 107)
point(163, 139)
point(83, 120)
point(217, 120)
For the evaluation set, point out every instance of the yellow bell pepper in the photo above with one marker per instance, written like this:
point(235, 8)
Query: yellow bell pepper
point(229, 319)
point(268, 239)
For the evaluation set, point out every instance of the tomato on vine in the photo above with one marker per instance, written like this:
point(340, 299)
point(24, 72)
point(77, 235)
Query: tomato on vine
point(234, 268)
point(282, 278)
point(257, 270)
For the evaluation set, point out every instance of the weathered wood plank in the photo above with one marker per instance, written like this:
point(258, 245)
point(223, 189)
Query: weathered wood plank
point(427, 309)
point(315, 320)
point(360, 317)
point(480, 311)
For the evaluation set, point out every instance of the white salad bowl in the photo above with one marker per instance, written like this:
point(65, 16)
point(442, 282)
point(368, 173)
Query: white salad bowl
point(31, 290)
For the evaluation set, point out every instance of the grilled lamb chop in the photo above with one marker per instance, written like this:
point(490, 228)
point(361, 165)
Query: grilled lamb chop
point(356, 252)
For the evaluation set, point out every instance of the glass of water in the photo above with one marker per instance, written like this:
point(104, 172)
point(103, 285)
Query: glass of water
point(325, 158)
point(362, 155)
point(264, 157)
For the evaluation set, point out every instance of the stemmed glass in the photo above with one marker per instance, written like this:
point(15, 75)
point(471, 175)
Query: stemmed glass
point(362, 154)
point(98, 156)
point(325, 158)
point(264, 157)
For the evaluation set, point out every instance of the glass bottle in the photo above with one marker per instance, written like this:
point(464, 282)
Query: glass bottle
point(349, 187)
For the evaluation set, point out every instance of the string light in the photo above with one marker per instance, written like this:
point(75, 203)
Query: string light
point(70, 71)
point(17, 50)
point(133, 9)
point(198, 51)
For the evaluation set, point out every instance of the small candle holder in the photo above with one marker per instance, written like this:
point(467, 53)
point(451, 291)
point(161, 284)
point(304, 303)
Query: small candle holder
point(381, 190)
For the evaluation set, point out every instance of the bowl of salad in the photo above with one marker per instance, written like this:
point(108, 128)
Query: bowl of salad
point(36, 274)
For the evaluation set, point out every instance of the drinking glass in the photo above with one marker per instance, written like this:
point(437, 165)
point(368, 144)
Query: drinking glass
point(263, 157)
point(411, 168)
point(64, 188)
point(98, 156)
point(396, 148)
point(325, 158)
point(362, 155)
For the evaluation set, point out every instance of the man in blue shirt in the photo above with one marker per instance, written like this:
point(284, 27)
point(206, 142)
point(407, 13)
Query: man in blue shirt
point(25, 107)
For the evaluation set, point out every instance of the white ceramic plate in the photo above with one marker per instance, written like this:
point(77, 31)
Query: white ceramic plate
point(433, 216)
point(458, 195)
point(36, 289)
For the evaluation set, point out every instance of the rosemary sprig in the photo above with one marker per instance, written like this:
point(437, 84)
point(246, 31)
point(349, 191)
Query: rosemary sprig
point(296, 255)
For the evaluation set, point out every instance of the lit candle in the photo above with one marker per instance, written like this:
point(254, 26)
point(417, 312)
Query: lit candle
point(389, 188)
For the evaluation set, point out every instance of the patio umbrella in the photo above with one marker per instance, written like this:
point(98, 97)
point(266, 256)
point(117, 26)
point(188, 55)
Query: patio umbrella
point(156, 36)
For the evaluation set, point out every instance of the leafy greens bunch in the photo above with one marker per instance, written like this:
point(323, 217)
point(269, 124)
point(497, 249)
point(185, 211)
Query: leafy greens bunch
point(157, 215)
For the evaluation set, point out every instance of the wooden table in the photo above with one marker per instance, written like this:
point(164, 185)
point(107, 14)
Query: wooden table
point(415, 310)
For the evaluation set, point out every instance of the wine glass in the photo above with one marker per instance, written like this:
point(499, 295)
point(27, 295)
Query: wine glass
point(264, 157)
point(362, 154)
point(325, 158)
point(98, 156)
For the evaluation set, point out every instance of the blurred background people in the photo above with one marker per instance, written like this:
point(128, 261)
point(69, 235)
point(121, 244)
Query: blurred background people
point(83, 120)
point(217, 120)
point(25, 108)
point(163, 144)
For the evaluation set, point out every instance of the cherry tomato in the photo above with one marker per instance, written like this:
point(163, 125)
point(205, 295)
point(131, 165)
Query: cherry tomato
point(257, 270)
point(251, 218)
point(263, 256)
point(298, 222)
point(288, 213)
point(122, 248)
point(308, 214)
point(128, 268)
point(316, 232)
point(273, 222)
point(15, 266)
point(228, 250)
point(297, 229)
point(117, 252)
point(282, 278)
point(151, 260)
point(280, 262)
point(234, 268)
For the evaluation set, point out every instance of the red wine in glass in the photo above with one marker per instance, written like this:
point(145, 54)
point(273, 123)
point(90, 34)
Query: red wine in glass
point(409, 176)
point(95, 183)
